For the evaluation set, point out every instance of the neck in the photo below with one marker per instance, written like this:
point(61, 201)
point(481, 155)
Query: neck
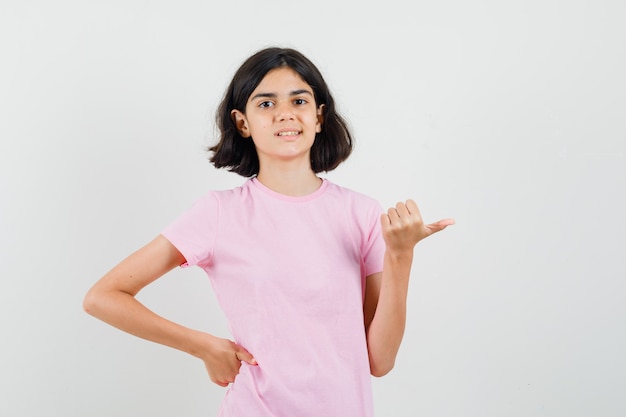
point(289, 182)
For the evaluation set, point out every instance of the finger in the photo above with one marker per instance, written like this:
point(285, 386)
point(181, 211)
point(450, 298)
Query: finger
point(413, 208)
point(444, 223)
point(440, 225)
point(245, 356)
point(402, 210)
point(393, 214)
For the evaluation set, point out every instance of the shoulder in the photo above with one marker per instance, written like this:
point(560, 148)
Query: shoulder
point(361, 208)
point(218, 196)
point(209, 204)
point(352, 196)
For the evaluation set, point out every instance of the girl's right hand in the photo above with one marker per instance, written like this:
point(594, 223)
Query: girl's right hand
point(223, 359)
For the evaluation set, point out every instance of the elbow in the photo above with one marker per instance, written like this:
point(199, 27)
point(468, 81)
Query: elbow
point(90, 302)
point(381, 369)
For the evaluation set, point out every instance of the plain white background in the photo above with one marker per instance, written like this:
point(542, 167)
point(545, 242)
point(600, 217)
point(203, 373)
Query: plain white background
point(508, 116)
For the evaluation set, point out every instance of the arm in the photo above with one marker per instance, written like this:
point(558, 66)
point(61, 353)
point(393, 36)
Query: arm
point(112, 300)
point(386, 292)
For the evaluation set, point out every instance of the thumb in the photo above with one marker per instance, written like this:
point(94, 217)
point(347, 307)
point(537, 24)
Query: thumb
point(245, 356)
point(445, 223)
point(440, 225)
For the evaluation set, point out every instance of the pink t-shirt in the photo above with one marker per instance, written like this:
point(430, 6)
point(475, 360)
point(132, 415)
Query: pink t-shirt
point(289, 273)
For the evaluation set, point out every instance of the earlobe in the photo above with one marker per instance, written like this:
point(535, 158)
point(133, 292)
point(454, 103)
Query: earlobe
point(240, 122)
point(320, 118)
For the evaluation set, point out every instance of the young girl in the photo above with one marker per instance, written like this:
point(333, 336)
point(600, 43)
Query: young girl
point(312, 277)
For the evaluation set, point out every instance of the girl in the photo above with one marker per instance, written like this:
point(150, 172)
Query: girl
point(312, 277)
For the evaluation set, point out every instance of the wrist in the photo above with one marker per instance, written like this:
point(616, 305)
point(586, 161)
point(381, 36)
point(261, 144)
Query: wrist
point(399, 255)
point(199, 343)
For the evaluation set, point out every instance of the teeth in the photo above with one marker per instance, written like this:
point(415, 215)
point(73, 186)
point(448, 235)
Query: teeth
point(291, 133)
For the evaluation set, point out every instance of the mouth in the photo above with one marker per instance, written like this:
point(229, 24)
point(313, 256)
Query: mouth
point(288, 133)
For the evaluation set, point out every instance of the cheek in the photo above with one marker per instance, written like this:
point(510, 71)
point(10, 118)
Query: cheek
point(259, 125)
point(263, 127)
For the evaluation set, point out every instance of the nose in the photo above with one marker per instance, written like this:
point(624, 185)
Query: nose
point(284, 112)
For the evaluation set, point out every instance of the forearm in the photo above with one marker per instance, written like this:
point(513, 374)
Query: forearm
point(222, 357)
point(385, 331)
point(123, 311)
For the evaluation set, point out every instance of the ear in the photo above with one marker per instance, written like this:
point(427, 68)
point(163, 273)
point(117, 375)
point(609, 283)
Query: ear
point(240, 122)
point(320, 118)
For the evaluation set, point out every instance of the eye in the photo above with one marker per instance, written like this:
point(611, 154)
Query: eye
point(265, 104)
point(300, 101)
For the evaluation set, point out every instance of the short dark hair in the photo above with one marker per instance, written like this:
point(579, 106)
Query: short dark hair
point(331, 146)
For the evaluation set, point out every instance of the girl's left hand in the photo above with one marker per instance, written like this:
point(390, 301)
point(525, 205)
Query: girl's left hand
point(403, 227)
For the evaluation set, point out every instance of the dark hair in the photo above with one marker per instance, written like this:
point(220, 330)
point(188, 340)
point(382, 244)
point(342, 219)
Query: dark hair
point(331, 146)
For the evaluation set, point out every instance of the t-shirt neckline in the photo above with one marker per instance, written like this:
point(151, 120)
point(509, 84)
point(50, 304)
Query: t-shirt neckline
point(294, 199)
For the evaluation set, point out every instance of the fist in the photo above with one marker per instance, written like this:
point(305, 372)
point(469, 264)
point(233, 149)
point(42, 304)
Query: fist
point(223, 358)
point(402, 226)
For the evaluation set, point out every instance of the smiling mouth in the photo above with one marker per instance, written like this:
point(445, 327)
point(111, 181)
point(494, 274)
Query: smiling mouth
point(289, 133)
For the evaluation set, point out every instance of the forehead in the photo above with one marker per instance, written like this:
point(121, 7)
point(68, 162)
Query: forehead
point(281, 80)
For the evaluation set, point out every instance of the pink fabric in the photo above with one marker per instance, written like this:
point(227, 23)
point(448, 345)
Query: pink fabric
point(289, 274)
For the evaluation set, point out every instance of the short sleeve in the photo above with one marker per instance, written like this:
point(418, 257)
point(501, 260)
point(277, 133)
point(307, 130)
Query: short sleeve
point(373, 247)
point(193, 232)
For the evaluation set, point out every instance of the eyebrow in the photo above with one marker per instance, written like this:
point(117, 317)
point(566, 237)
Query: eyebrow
point(274, 95)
